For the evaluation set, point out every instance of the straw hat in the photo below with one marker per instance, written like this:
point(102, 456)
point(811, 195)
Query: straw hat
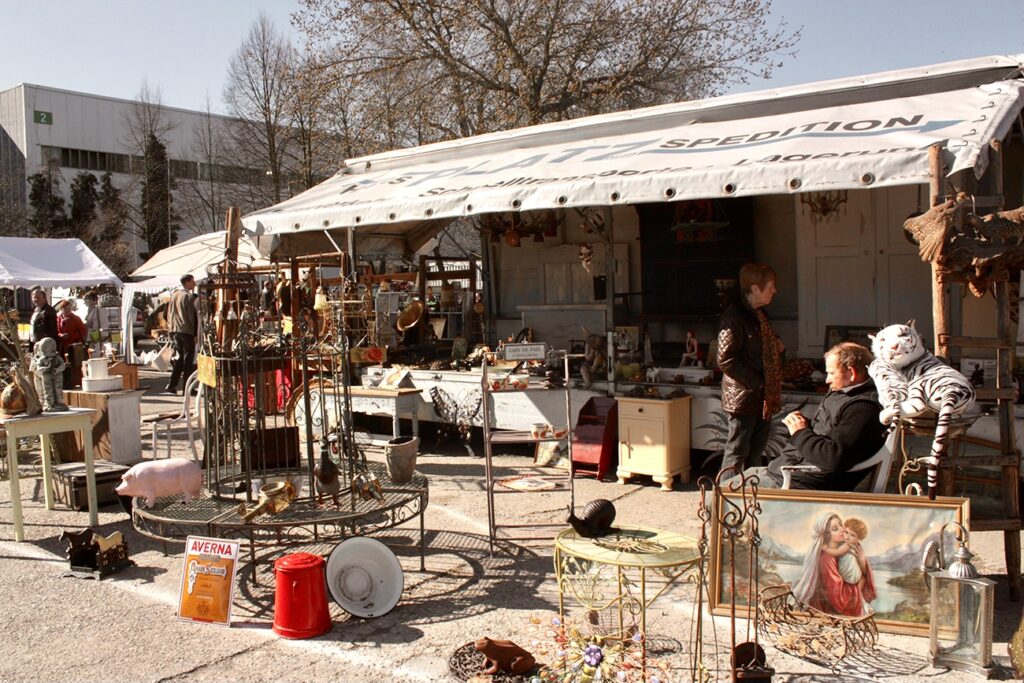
point(410, 315)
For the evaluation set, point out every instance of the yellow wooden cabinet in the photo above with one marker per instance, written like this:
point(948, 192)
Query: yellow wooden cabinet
point(654, 439)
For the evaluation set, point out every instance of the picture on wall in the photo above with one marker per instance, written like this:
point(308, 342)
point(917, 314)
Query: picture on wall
point(840, 553)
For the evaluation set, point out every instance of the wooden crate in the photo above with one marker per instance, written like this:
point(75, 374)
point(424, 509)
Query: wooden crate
point(129, 372)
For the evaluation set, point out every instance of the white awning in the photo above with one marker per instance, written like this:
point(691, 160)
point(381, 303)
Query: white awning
point(195, 255)
point(853, 133)
point(35, 261)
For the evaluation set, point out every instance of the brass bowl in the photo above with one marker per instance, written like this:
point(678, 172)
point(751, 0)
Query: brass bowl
point(410, 315)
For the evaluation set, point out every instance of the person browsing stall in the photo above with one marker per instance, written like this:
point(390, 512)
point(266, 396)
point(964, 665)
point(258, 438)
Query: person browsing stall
point(748, 355)
point(92, 322)
point(44, 319)
point(844, 432)
point(72, 334)
point(183, 322)
point(71, 329)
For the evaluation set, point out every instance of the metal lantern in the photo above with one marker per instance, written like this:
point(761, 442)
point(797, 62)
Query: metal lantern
point(961, 609)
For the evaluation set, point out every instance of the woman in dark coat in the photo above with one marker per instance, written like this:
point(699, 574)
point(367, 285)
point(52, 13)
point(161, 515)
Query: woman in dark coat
point(748, 355)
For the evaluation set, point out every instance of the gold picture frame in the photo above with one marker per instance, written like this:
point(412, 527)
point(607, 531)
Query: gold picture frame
point(893, 550)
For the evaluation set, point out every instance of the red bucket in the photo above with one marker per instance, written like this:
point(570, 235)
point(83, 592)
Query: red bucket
point(300, 602)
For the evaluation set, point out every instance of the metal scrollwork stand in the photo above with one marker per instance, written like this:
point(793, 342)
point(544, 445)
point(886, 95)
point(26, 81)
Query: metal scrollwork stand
point(732, 524)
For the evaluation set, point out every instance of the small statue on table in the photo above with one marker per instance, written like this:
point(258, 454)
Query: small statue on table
point(691, 352)
point(595, 359)
point(48, 367)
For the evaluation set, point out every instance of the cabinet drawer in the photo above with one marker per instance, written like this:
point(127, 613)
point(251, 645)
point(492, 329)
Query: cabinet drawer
point(647, 410)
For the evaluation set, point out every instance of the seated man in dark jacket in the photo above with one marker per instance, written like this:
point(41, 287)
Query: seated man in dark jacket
point(845, 430)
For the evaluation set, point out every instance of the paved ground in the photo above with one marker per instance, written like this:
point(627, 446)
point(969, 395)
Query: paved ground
point(124, 628)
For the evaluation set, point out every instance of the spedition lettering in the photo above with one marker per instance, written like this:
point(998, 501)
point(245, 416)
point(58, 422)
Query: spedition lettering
point(817, 126)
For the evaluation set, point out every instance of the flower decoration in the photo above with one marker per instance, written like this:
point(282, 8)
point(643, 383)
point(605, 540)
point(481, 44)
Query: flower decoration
point(573, 654)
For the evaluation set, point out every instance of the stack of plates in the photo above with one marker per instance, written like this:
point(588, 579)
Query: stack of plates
point(115, 383)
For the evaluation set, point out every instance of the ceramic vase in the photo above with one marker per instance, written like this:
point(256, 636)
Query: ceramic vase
point(401, 455)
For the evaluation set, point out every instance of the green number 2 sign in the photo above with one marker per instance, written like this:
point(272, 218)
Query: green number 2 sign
point(43, 117)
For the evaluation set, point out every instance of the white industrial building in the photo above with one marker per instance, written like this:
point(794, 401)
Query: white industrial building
point(83, 132)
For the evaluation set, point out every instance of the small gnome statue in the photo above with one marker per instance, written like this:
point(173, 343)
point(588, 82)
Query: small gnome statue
point(595, 358)
point(48, 367)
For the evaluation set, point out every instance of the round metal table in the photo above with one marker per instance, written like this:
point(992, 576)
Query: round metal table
point(598, 574)
point(302, 522)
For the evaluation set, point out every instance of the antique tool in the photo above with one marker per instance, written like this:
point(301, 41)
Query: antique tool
point(366, 484)
point(273, 499)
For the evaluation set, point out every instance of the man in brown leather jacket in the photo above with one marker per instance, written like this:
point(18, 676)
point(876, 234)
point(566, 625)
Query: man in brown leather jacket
point(748, 355)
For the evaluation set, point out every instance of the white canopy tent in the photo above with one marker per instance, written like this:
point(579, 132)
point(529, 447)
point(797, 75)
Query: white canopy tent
point(869, 131)
point(35, 261)
point(194, 257)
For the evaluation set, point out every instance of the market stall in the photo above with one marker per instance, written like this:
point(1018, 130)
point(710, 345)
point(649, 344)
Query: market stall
point(635, 223)
point(638, 220)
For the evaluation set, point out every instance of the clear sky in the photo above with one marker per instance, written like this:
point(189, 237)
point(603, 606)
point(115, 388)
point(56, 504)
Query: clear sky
point(109, 47)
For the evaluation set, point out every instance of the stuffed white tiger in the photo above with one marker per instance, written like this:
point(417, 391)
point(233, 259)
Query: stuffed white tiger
point(911, 381)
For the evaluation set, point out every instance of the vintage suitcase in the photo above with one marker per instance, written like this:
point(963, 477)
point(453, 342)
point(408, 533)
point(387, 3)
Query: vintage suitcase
point(69, 483)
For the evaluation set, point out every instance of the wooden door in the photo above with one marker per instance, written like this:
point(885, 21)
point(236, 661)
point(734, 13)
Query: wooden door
point(836, 273)
point(904, 280)
point(861, 270)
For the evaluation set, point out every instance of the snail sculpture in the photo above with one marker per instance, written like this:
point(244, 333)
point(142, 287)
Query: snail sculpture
point(596, 519)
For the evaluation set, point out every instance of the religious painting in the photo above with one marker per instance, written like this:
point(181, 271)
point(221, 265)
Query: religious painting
point(838, 553)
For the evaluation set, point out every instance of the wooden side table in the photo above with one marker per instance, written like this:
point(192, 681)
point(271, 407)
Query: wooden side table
point(73, 420)
point(654, 439)
point(391, 402)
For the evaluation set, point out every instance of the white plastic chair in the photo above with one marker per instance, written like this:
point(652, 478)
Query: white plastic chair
point(880, 461)
point(184, 419)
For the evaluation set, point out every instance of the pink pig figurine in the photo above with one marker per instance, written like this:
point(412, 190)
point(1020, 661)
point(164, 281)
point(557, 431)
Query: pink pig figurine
point(158, 478)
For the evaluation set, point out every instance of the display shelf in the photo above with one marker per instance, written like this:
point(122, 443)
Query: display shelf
point(451, 278)
point(501, 531)
point(523, 437)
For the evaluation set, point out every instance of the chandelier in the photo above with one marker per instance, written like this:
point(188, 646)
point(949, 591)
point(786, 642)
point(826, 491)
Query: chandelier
point(824, 206)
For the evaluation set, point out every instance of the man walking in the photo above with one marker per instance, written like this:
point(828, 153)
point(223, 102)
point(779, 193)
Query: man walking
point(183, 320)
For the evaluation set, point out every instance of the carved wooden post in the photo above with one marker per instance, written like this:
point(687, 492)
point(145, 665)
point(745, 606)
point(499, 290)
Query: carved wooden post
point(940, 303)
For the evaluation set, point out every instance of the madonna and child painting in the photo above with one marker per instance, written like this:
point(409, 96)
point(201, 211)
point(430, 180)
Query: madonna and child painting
point(844, 554)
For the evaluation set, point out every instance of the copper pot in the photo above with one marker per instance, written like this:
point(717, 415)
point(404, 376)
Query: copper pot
point(12, 400)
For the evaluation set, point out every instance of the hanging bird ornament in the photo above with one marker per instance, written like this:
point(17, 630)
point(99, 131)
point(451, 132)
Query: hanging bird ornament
point(586, 256)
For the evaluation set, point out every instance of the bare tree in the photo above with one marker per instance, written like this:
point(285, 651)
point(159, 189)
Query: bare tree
point(213, 181)
point(259, 94)
point(13, 205)
point(485, 65)
point(314, 151)
point(146, 117)
point(148, 214)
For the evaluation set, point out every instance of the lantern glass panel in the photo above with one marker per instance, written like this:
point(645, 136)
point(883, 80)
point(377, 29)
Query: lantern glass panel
point(961, 629)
